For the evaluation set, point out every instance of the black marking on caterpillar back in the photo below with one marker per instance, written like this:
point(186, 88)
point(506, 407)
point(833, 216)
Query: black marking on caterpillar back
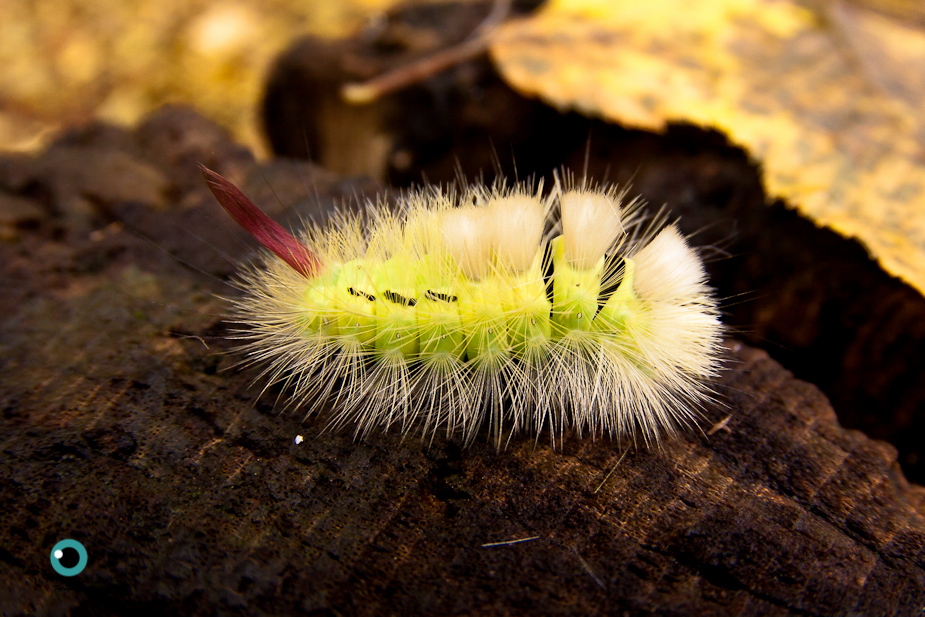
point(611, 278)
point(361, 294)
point(547, 270)
point(395, 298)
point(440, 297)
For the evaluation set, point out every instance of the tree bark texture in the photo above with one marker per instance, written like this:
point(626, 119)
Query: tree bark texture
point(127, 426)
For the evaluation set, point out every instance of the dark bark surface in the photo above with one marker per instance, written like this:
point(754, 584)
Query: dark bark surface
point(125, 426)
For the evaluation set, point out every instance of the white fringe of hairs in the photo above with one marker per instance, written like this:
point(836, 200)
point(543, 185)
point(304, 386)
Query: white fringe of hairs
point(569, 311)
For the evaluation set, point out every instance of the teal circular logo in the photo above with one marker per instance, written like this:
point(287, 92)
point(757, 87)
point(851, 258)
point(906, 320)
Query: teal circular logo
point(58, 552)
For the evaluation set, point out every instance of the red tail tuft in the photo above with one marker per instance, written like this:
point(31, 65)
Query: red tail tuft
point(265, 230)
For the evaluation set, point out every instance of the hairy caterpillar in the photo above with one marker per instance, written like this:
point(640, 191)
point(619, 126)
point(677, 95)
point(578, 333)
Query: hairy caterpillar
point(566, 311)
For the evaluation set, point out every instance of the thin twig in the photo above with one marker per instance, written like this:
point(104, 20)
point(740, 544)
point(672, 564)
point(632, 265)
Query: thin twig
point(499, 12)
point(360, 93)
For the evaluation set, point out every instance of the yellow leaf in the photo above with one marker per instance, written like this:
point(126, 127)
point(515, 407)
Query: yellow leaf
point(805, 94)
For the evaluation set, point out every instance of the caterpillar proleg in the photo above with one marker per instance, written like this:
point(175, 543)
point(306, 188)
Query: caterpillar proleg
point(492, 304)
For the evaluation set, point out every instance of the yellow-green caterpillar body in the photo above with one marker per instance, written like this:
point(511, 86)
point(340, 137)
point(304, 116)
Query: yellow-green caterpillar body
point(569, 311)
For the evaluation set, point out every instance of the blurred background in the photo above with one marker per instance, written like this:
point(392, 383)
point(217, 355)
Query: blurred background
point(64, 62)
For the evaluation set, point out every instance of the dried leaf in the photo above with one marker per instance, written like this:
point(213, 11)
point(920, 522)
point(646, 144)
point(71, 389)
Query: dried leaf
point(804, 92)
